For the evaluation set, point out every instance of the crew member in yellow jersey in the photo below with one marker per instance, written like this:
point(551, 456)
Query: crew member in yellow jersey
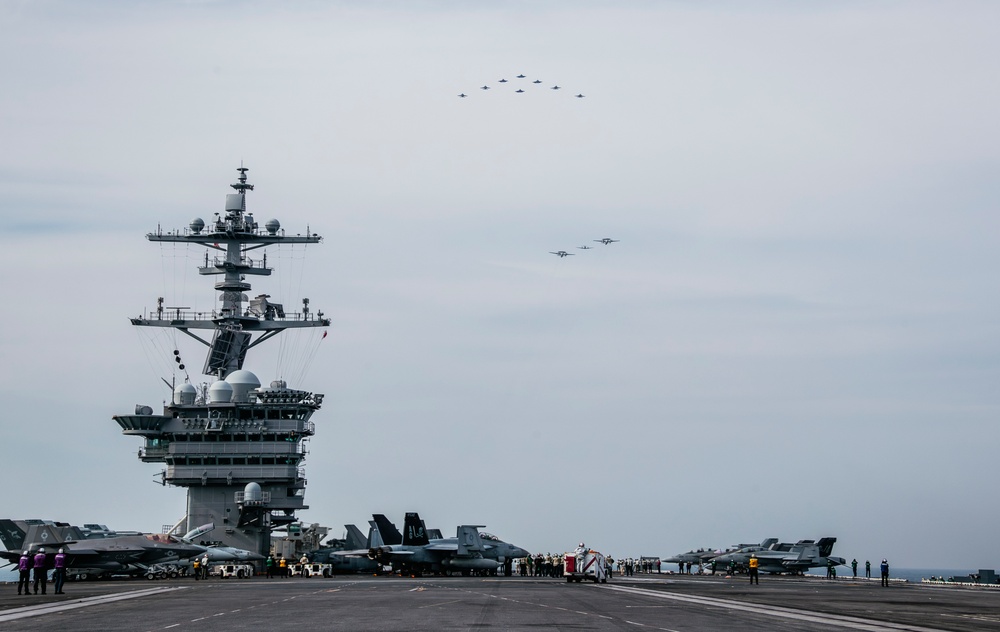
point(753, 563)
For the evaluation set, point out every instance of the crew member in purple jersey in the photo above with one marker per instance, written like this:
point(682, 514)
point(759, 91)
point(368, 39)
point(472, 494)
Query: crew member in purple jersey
point(59, 575)
point(41, 575)
point(24, 574)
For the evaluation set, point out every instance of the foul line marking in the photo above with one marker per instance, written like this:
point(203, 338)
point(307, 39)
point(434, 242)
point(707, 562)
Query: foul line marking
point(34, 611)
point(843, 621)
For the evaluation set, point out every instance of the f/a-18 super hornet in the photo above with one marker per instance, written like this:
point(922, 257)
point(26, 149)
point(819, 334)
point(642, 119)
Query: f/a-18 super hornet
point(463, 95)
point(350, 555)
point(701, 557)
point(585, 247)
point(556, 88)
point(469, 551)
point(537, 81)
point(484, 88)
point(520, 76)
point(579, 96)
point(519, 90)
point(561, 254)
point(106, 552)
point(788, 558)
point(607, 240)
point(502, 81)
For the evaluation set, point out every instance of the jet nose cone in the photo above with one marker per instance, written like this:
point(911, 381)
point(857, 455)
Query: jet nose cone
point(519, 552)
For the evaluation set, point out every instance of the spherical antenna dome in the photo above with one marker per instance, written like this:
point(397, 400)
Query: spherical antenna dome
point(272, 226)
point(252, 493)
point(197, 224)
point(220, 392)
point(185, 393)
point(242, 382)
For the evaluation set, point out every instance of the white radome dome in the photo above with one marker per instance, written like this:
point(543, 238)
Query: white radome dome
point(220, 392)
point(185, 393)
point(242, 382)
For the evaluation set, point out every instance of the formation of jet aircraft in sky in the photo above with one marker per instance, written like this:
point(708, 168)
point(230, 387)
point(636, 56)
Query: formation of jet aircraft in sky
point(537, 82)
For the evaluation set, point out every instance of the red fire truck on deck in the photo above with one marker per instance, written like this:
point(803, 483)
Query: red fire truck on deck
point(584, 563)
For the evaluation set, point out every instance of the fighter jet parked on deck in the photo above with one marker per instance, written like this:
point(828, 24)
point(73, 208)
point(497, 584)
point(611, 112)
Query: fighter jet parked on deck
point(788, 558)
point(350, 555)
point(469, 551)
point(105, 552)
point(561, 254)
point(607, 240)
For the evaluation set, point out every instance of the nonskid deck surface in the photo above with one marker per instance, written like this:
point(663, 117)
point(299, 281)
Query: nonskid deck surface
point(454, 603)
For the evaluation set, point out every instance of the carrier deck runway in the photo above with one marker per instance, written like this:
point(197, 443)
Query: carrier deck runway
point(454, 603)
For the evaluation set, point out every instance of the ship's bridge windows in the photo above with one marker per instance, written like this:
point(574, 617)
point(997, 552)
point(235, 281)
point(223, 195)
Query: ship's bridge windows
point(225, 461)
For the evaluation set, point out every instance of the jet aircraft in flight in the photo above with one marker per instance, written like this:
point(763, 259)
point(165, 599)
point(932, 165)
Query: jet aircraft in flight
point(502, 81)
point(585, 247)
point(520, 76)
point(463, 95)
point(537, 81)
point(607, 240)
point(555, 88)
point(561, 254)
point(519, 90)
point(579, 96)
point(485, 88)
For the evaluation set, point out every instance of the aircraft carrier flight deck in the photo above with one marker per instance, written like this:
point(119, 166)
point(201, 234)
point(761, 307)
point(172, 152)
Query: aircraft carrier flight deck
point(679, 603)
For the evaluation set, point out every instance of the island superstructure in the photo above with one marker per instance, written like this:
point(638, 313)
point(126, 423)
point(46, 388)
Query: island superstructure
point(236, 446)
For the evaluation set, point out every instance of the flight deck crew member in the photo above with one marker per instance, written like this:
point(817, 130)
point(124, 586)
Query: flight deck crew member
point(24, 573)
point(59, 575)
point(270, 566)
point(753, 563)
point(868, 569)
point(283, 567)
point(41, 575)
point(854, 567)
point(885, 572)
point(196, 567)
point(204, 566)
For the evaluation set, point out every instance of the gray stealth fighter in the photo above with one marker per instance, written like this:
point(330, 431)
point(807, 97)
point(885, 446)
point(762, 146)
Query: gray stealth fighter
point(105, 552)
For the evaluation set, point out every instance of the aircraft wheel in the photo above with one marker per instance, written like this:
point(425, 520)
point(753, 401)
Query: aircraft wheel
point(150, 576)
point(82, 576)
point(174, 574)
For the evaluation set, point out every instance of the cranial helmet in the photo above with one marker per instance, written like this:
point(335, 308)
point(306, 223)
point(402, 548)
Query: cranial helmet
point(41, 549)
point(25, 553)
point(61, 551)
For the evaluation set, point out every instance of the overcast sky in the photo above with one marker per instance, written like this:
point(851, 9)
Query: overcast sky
point(797, 335)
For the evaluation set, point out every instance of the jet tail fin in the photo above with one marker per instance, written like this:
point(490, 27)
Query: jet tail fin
point(355, 539)
point(374, 536)
point(390, 534)
point(826, 546)
point(768, 543)
point(469, 542)
point(42, 535)
point(11, 535)
point(435, 534)
point(414, 532)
